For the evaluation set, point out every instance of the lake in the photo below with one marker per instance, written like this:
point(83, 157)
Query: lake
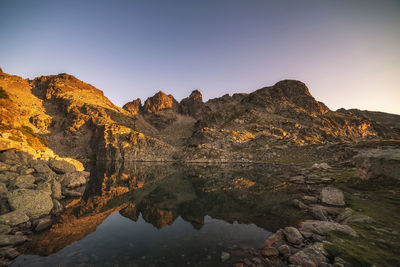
point(153, 214)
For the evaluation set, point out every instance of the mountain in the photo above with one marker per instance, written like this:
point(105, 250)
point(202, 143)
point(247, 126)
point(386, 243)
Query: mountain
point(61, 115)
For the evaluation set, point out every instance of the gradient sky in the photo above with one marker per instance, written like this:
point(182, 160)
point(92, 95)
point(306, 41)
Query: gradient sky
point(347, 52)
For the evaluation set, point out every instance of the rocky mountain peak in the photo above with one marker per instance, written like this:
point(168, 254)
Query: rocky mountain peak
point(134, 107)
point(196, 95)
point(159, 102)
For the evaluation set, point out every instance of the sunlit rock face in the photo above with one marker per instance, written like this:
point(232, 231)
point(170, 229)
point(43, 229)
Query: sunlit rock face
point(134, 107)
point(61, 115)
point(159, 102)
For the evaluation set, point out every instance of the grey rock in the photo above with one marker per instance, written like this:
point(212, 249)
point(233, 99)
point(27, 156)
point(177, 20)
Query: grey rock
point(3, 188)
point(313, 255)
point(42, 223)
point(57, 207)
point(27, 171)
point(318, 213)
point(298, 204)
point(359, 218)
point(23, 181)
point(284, 250)
point(7, 240)
point(5, 229)
point(73, 179)
point(293, 235)
point(14, 218)
point(378, 164)
point(71, 193)
point(34, 203)
point(323, 228)
point(346, 213)
point(9, 253)
point(269, 252)
point(61, 166)
point(332, 196)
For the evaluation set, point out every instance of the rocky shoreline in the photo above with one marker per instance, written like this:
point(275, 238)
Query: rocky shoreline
point(31, 191)
point(304, 245)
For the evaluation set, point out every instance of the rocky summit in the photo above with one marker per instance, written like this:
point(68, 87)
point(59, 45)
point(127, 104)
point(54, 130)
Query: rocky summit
point(59, 115)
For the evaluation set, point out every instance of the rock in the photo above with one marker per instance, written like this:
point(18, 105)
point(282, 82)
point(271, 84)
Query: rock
point(4, 207)
point(284, 250)
point(323, 166)
point(359, 218)
point(297, 179)
point(23, 181)
point(332, 196)
point(56, 189)
point(3, 188)
point(71, 193)
point(238, 264)
point(256, 260)
point(272, 239)
point(45, 187)
point(73, 179)
point(225, 256)
point(318, 213)
point(9, 157)
point(61, 166)
point(9, 253)
point(34, 203)
point(42, 223)
point(14, 218)
point(310, 199)
point(346, 213)
point(293, 235)
point(57, 207)
point(269, 252)
point(7, 240)
point(323, 228)
point(27, 171)
point(4, 167)
point(5, 229)
point(43, 170)
point(313, 255)
point(298, 204)
point(378, 164)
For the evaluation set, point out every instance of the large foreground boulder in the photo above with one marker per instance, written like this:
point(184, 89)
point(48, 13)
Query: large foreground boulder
point(378, 163)
point(34, 203)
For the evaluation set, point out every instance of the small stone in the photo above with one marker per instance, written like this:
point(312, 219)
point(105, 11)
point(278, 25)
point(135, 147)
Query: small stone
point(293, 235)
point(71, 193)
point(9, 253)
point(7, 240)
point(42, 224)
point(298, 204)
point(332, 196)
point(272, 239)
point(271, 251)
point(3, 188)
point(23, 181)
point(284, 250)
point(257, 260)
point(239, 264)
point(318, 213)
point(57, 207)
point(27, 171)
point(225, 256)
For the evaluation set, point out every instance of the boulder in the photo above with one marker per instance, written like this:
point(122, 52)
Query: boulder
point(346, 213)
point(332, 196)
point(3, 188)
point(13, 240)
point(57, 207)
point(378, 164)
point(313, 255)
point(23, 181)
point(359, 218)
point(14, 218)
point(9, 253)
point(61, 166)
point(44, 172)
point(5, 229)
point(73, 179)
point(42, 223)
point(34, 203)
point(318, 213)
point(322, 228)
point(269, 252)
point(293, 235)
point(9, 157)
point(284, 250)
point(56, 189)
point(26, 171)
point(272, 239)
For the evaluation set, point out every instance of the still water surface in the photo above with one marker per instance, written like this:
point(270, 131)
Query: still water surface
point(165, 215)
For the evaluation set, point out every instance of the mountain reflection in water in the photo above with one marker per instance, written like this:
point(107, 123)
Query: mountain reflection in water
point(136, 214)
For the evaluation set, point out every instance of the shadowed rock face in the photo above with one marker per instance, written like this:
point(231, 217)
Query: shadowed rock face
point(62, 115)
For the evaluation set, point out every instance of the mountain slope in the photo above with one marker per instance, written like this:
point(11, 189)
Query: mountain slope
point(74, 119)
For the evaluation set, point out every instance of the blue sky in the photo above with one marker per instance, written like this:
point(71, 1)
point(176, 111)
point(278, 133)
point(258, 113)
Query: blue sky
point(347, 52)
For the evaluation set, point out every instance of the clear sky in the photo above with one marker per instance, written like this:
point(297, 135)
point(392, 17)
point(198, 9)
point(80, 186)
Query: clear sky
point(347, 52)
